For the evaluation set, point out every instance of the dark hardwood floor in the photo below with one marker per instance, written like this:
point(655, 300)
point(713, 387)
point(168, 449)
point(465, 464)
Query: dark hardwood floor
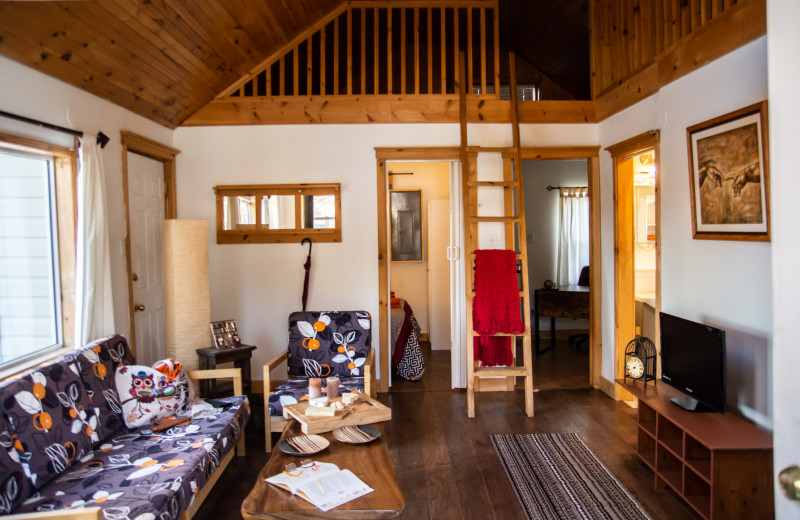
point(446, 464)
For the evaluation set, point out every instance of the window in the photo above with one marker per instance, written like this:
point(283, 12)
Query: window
point(278, 213)
point(32, 313)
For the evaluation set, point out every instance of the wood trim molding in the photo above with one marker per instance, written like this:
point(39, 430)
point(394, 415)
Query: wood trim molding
point(624, 303)
point(141, 145)
point(590, 153)
point(384, 109)
point(745, 22)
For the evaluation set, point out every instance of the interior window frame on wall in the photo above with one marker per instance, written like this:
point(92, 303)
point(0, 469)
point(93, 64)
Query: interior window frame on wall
point(405, 197)
point(258, 232)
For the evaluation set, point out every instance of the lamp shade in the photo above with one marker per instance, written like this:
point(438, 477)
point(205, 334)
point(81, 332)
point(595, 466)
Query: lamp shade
point(187, 302)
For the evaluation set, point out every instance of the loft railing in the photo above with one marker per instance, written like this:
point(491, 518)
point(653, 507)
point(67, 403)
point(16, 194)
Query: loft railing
point(379, 48)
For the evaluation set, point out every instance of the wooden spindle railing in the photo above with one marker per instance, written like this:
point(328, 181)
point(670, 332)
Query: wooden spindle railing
point(334, 54)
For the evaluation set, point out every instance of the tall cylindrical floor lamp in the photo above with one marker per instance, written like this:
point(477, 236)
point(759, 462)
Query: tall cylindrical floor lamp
point(187, 302)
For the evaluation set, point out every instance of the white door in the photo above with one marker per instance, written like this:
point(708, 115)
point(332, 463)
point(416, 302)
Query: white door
point(439, 274)
point(458, 302)
point(146, 206)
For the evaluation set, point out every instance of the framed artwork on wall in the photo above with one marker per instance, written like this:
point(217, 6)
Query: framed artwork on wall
point(729, 170)
point(405, 208)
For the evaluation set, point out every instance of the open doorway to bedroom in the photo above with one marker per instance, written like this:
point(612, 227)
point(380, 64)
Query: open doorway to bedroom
point(419, 274)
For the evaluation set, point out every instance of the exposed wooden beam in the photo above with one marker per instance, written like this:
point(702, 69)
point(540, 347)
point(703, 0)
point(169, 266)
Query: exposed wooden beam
point(384, 109)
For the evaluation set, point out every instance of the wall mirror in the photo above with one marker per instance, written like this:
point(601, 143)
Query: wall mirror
point(273, 213)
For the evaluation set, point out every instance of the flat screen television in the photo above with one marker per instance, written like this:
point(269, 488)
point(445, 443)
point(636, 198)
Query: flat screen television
point(693, 361)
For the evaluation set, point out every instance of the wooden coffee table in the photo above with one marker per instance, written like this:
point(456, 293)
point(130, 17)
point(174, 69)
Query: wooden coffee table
point(371, 462)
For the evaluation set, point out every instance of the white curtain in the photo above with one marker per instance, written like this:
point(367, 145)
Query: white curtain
point(94, 307)
point(573, 235)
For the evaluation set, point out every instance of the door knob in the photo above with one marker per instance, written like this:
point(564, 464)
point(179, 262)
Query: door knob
point(135, 277)
point(789, 480)
point(138, 307)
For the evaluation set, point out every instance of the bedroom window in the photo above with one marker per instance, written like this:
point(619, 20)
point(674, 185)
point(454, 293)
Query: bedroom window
point(275, 213)
point(36, 232)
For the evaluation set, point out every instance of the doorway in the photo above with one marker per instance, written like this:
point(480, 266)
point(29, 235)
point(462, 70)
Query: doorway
point(637, 259)
point(148, 175)
point(558, 239)
point(422, 286)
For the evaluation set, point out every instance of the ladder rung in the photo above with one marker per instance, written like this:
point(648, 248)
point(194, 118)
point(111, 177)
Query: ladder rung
point(500, 371)
point(521, 293)
point(494, 219)
point(472, 253)
point(501, 334)
point(502, 184)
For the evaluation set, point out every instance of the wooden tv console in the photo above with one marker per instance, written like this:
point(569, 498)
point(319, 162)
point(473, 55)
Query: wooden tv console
point(720, 464)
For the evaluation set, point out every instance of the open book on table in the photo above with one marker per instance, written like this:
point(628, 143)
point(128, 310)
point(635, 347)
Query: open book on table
point(321, 483)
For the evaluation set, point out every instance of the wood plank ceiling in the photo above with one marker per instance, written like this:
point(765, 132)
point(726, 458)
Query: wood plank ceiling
point(166, 59)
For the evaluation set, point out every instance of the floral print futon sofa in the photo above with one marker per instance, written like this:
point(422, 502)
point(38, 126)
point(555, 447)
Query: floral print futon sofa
point(64, 444)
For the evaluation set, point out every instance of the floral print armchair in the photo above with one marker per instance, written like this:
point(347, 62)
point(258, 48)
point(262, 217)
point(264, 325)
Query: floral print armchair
point(320, 344)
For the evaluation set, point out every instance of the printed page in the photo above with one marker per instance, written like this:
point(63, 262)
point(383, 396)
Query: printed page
point(292, 482)
point(333, 490)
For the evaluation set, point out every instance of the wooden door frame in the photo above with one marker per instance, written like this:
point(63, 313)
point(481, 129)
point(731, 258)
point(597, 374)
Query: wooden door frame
point(451, 153)
point(164, 154)
point(592, 156)
point(590, 153)
point(624, 303)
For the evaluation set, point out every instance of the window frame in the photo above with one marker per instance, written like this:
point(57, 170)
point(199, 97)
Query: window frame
point(65, 166)
point(256, 234)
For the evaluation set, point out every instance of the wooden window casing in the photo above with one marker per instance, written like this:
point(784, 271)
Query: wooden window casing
point(64, 162)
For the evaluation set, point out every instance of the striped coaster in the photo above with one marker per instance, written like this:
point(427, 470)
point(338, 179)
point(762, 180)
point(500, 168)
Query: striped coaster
point(353, 434)
point(307, 444)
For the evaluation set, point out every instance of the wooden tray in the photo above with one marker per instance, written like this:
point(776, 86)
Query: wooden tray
point(365, 411)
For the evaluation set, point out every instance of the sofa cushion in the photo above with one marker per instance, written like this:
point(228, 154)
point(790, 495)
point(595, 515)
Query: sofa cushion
point(139, 474)
point(148, 394)
point(14, 484)
point(97, 364)
point(294, 391)
point(49, 411)
point(325, 344)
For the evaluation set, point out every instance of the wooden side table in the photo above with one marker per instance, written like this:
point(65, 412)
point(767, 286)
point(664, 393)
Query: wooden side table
point(210, 357)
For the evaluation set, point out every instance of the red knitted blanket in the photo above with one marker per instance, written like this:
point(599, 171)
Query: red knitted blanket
point(495, 307)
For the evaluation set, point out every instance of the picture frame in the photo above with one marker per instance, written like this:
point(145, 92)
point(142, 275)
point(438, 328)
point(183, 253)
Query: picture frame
point(405, 208)
point(729, 176)
point(224, 334)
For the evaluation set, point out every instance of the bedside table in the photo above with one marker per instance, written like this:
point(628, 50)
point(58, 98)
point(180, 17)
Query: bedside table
point(210, 357)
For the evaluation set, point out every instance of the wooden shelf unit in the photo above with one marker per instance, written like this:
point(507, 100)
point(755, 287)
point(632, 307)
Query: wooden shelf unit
point(720, 464)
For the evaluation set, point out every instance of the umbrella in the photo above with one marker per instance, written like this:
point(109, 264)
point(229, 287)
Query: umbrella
point(308, 270)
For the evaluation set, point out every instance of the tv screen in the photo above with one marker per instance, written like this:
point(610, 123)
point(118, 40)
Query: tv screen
point(693, 361)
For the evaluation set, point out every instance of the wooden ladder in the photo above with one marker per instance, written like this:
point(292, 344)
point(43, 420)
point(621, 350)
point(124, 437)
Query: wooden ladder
point(515, 239)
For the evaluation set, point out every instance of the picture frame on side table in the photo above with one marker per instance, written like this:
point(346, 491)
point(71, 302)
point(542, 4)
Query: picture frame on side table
point(729, 174)
point(224, 334)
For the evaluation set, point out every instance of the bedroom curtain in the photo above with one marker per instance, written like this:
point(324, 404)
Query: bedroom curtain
point(573, 235)
point(93, 300)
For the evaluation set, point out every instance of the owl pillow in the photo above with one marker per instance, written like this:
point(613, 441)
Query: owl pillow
point(148, 394)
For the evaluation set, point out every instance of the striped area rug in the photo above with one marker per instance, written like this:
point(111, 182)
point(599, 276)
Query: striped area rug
point(557, 477)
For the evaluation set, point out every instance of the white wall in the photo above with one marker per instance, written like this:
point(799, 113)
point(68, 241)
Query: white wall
point(722, 283)
point(784, 108)
point(26, 92)
point(260, 284)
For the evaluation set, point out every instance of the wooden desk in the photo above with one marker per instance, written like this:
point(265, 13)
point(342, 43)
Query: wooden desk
point(571, 301)
point(372, 463)
point(240, 357)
